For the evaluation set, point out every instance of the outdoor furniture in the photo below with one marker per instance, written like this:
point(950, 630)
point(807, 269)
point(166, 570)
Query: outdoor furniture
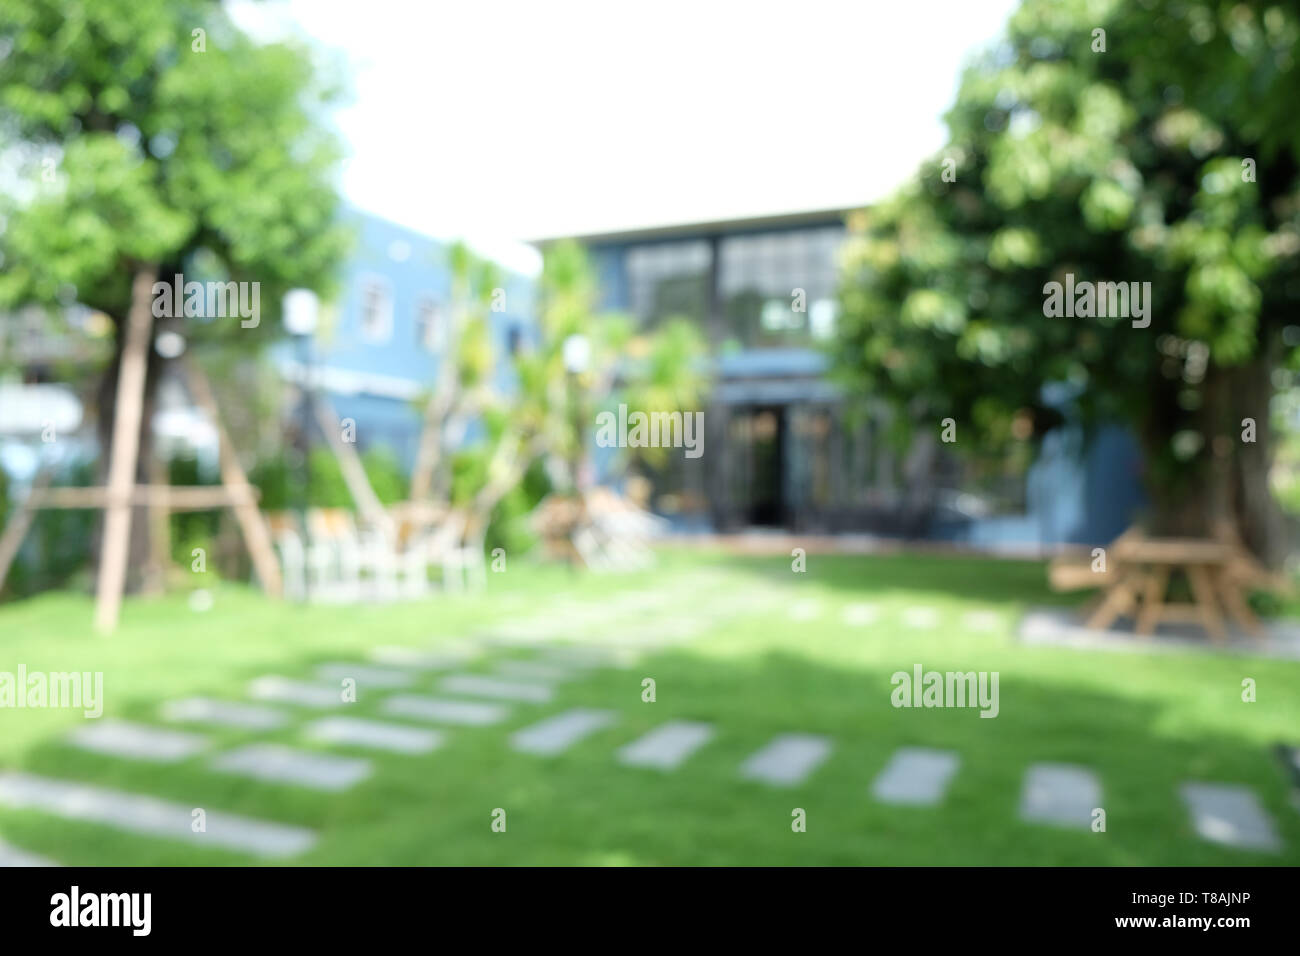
point(285, 533)
point(1220, 573)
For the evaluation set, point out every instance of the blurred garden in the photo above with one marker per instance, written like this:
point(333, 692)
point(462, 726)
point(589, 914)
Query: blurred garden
point(244, 517)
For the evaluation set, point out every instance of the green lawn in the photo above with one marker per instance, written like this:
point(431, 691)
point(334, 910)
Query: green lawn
point(1143, 722)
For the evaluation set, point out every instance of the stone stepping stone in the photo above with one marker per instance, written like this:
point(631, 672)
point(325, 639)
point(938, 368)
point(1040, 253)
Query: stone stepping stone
point(276, 763)
point(860, 615)
point(364, 675)
point(444, 710)
point(1061, 794)
point(922, 618)
point(803, 610)
point(915, 776)
point(787, 760)
point(420, 658)
point(1230, 815)
point(586, 655)
point(301, 693)
point(667, 746)
point(374, 734)
point(536, 671)
point(557, 734)
point(120, 738)
point(150, 816)
point(12, 856)
point(223, 713)
point(480, 685)
point(981, 620)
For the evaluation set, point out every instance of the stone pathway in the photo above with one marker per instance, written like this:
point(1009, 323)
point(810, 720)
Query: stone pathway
point(301, 693)
point(921, 618)
point(365, 675)
point(421, 659)
point(668, 745)
point(536, 671)
point(443, 710)
point(151, 816)
point(787, 760)
point(1060, 794)
point(1055, 794)
point(12, 856)
point(374, 734)
point(915, 776)
point(276, 763)
point(223, 713)
point(479, 685)
point(1230, 815)
point(556, 734)
point(120, 738)
point(860, 615)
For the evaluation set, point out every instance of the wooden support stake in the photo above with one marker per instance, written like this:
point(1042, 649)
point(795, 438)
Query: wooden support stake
point(252, 524)
point(125, 452)
point(354, 473)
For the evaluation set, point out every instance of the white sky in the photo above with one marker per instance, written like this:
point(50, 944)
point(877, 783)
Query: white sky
point(518, 120)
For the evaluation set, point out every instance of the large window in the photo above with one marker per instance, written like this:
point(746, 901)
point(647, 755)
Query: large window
point(669, 279)
point(778, 288)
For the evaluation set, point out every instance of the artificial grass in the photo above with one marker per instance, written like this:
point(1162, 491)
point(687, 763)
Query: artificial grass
point(1144, 723)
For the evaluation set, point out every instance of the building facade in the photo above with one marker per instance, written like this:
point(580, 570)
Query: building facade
point(785, 449)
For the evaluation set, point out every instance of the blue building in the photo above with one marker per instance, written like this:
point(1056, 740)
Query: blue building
point(783, 447)
point(376, 349)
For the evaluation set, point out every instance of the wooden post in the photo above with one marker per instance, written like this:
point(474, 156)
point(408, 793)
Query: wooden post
point(252, 525)
point(125, 452)
point(354, 473)
point(160, 538)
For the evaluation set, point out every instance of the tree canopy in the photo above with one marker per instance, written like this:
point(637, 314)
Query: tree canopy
point(1126, 142)
point(154, 132)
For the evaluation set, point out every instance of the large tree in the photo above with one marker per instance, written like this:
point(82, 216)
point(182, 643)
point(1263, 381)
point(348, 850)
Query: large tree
point(148, 138)
point(1151, 141)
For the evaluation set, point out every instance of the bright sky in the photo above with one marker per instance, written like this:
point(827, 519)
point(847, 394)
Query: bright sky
point(519, 120)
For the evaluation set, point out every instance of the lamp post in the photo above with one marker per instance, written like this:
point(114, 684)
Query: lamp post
point(300, 317)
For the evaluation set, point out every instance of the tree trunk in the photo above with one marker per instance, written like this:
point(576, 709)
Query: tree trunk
point(1225, 485)
point(1258, 516)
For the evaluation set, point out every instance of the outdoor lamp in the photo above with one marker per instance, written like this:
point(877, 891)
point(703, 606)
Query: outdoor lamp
point(300, 310)
point(577, 354)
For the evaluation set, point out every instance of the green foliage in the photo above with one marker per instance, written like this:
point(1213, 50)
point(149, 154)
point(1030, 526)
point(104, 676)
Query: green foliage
point(162, 154)
point(280, 480)
point(1123, 166)
point(56, 548)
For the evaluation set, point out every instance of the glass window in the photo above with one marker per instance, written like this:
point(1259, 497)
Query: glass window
point(669, 279)
point(428, 324)
point(758, 276)
point(376, 310)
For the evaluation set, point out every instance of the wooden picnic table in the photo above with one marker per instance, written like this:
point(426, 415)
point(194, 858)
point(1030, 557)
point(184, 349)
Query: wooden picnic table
point(1220, 573)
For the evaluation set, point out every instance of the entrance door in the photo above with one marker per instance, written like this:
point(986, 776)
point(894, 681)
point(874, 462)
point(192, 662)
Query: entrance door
point(755, 453)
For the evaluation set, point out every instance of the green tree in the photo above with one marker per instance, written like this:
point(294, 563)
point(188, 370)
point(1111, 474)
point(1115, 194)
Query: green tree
point(1116, 142)
point(580, 359)
point(151, 138)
